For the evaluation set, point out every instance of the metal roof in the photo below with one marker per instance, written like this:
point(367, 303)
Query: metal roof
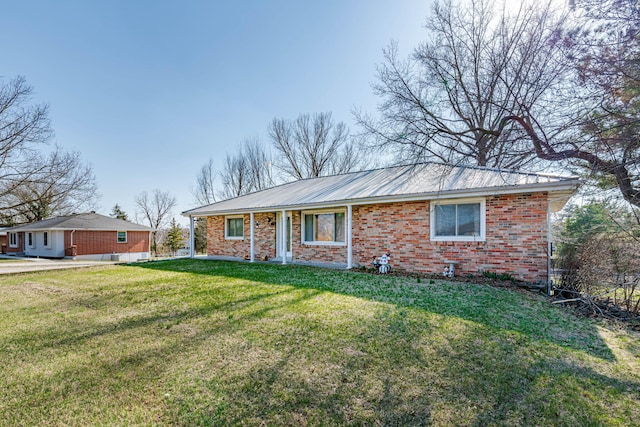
point(82, 221)
point(424, 181)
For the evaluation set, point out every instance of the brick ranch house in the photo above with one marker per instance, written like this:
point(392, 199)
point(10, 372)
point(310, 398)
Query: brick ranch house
point(89, 236)
point(427, 216)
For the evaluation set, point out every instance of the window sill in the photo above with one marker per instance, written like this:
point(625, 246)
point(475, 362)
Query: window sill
point(233, 238)
point(324, 243)
point(471, 239)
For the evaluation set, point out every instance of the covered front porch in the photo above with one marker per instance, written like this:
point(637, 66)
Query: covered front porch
point(309, 237)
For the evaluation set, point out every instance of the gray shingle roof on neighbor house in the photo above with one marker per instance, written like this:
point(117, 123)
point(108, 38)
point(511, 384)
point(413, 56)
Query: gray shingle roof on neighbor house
point(82, 221)
point(424, 181)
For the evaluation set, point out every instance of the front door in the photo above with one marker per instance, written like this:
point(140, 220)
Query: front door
point(279, 234)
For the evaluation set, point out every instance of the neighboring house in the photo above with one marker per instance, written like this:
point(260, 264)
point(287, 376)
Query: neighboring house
point(3, 240)
point(428, 216)
point(82, 236)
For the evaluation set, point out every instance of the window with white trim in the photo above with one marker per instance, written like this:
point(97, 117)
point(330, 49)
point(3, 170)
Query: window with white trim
point(324, 227)
point(31, 242)
point(234, 227)
point(122, 237)
point(462, 220)
point(45, 237)
point(13, 240)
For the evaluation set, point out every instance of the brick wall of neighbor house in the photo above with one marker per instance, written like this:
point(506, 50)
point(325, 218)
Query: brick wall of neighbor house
point(90, 242)
point(20, 247)
point(516, 240)
point(264, 238)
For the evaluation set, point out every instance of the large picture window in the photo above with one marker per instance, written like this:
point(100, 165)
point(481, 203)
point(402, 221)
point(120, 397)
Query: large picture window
point(324, 227)
point(234, 227)
point(463, 221)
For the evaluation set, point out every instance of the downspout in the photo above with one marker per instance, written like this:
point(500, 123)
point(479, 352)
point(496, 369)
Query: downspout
point(252, 221)
point(349, 239)
point(549, 244)
point(191, 238)
point(71, 243)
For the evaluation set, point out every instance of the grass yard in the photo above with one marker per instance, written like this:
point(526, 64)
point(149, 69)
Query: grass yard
point(193, 342)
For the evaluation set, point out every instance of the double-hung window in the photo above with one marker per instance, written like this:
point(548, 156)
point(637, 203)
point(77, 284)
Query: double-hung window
point(122, 237)
point(45, 237)
point(13, 240)
point(31, 241)
point(324, 227)
point(234, 227)
point(462, 220)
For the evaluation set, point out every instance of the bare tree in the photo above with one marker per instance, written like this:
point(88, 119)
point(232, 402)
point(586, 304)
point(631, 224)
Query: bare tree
point(259, 164)
point(23, 127)
point(312, 146)
point(480, 63)
point(603, 44)
point(247, 170)
point(204, 191)
point(155, 208)
point(57, 184)
point(504, 89)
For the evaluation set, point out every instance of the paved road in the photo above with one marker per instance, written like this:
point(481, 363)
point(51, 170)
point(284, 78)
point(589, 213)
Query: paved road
point(24, 265)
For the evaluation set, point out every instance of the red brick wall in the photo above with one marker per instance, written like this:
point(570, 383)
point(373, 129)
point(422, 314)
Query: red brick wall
point(264, 238)
point(314, 253)
point(516, 239)
point(19, 248)
point(105, 242)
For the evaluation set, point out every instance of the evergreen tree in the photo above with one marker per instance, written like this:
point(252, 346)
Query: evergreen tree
point(117, 212)
point(175, 237)
point(200, 235)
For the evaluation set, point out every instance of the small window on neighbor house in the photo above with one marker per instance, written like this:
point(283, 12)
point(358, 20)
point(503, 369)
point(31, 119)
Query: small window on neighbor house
point(122, 237)
point(234, 228)
point(324, 227)
point(458, 221)
point(13, 240)
point(30, 240)
point(45, 237)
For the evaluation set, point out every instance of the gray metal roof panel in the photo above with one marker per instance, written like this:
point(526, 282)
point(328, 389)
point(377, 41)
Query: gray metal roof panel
point(393, 182)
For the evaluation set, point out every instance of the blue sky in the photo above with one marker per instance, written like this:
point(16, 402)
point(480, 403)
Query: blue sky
point(147, 91)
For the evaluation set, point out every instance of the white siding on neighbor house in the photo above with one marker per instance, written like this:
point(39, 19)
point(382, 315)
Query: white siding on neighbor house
point(55, 249)
point(127, 257)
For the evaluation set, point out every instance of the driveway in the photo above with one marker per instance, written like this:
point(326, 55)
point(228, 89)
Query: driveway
point(12, 264)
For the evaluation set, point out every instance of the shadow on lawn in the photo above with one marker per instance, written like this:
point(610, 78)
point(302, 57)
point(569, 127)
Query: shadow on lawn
point(389, 368)
point(476, 303)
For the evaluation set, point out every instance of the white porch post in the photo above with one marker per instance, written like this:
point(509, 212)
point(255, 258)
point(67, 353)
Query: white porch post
point(192, 239)
point(349, 237)
point(251, 219)
point(284, 236)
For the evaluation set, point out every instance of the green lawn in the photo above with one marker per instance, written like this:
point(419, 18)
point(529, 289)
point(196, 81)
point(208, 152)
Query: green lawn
point(194, 342)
